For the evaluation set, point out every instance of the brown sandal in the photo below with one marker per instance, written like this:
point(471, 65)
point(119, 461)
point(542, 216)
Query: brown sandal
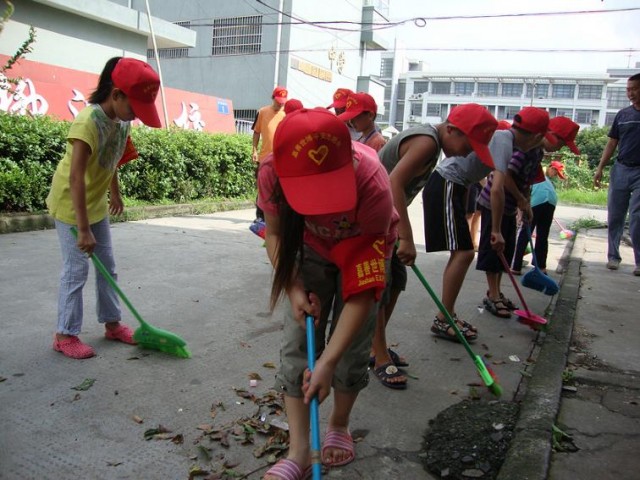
point(442, 329)
point(497, 307)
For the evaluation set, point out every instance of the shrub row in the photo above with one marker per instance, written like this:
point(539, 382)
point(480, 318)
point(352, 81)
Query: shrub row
point(176, 165)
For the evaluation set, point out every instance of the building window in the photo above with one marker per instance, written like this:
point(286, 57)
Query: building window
point(617, 97)
point(487, 89)
point(541, 90)
point(583, 116)
point(511, 89)
point(387, 92)
point(420, 87)
point(170, 53)
point(386, 68)
point(590, 92)
point(507, 112)
point(564, 112)
point(562, 91)
point(463, 88)
point(434, 109)
point(440, 88)
point(416, 109)
point(237, 35)
point(402, 90)
point(249, 114)
point(608, 119)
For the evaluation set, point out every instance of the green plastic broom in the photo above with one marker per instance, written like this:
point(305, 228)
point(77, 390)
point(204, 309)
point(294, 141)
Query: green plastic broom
point(488, 377)
point(147, 336)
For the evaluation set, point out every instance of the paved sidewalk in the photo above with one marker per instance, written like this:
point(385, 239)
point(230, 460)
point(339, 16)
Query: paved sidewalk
point(207, 278)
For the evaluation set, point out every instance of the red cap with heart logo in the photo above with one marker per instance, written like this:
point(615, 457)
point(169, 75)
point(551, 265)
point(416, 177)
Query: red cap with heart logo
point(314, 162)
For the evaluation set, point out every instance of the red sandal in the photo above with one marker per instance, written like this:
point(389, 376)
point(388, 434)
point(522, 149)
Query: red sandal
point(121, 333)
point(72, 347)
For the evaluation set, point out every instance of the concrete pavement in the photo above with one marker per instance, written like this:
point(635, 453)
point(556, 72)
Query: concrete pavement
point(207, 278)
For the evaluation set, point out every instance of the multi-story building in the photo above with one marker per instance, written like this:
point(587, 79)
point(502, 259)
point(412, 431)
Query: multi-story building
point(244, 49)
point(74, 39)
point(419, 96)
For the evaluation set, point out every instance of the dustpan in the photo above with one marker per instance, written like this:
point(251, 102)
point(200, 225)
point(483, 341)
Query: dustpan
point(536, 279)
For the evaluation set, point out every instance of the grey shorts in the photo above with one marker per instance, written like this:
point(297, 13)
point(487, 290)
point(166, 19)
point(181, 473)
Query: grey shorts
point(323, 278)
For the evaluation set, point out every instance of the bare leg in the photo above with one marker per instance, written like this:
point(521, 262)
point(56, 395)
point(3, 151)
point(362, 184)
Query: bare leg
point(453, 278)
point(299, 447)
point(339, 421)
point(379, 345)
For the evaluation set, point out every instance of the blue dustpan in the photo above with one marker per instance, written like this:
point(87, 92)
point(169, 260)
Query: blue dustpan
point(536, 279)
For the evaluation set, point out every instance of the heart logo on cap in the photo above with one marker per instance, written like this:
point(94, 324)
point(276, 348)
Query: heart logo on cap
point(318, 155)
point(378, 245)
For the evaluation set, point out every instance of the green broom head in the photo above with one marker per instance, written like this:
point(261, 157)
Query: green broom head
point(157, 339)
point(488, 376)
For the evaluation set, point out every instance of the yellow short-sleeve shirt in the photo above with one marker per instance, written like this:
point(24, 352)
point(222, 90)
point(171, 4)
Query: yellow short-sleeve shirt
point(107, 139)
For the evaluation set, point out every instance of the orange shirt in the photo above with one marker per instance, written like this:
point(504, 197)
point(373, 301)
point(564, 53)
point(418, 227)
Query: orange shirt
point(265, 124)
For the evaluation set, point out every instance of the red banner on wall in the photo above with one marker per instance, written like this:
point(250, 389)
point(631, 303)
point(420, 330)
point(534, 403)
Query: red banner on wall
point(62, 92)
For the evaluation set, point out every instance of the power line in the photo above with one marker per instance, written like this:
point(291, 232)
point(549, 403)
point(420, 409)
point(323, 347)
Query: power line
point(420, 22)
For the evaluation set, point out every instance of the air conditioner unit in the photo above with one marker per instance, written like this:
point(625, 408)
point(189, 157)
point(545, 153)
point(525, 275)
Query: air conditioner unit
point(413, 118)
point(415, 96)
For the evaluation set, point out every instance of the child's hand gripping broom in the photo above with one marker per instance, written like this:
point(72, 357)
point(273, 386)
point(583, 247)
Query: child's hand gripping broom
point(488, 377)
point(314, 420)
point(147, 336)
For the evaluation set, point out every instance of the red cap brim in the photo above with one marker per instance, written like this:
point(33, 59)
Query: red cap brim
point(573, 147)
point(348, 115)
point(146, 112)
point(551, 138)
point(482, 152)
point(323, 193)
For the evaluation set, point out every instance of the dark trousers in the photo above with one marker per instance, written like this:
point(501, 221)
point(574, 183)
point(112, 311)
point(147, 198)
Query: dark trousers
point(542, 218)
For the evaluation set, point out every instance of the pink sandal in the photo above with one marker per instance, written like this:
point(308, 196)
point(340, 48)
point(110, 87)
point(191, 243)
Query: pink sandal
point(287, 469)
point(72, 347)
point(121, 333)
point(340, 441)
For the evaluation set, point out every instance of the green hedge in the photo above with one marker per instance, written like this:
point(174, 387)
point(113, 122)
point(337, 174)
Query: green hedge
point(175, 166)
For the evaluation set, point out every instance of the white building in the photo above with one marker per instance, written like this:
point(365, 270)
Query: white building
point(419, 96)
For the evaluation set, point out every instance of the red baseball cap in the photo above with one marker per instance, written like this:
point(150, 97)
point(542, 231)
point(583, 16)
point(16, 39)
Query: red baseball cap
point(140, 83)
point(358, 103)
point(503, 125)
point(566, 130)
point(559, 168)
point(532, 120)
point(292, 105)
point(280, 95)
point(314, 162)
point(340, 98)
point(478, 125)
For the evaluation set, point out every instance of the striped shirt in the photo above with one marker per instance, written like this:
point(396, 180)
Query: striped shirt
point(525, 170)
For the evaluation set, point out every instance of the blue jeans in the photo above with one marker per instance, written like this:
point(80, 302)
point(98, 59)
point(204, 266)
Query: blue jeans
point(624, 195)
point(75, 270)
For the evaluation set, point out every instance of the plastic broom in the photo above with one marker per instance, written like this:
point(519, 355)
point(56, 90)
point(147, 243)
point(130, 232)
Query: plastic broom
point(147, 336)
point(487, 376)
point(314, 414)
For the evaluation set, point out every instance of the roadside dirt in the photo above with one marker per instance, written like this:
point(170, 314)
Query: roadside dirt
point(469, 439)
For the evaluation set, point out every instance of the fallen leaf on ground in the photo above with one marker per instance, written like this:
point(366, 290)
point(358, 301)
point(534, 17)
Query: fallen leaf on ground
point(85, 385)
point(137, 419)
point(269, 365)
point(255, 376)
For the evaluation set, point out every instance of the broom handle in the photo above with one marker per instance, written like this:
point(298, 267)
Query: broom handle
point(480, 366)
point(533, 251)
point(316, 461)
point(111, 281)
point(513, 280)
point(559, 224)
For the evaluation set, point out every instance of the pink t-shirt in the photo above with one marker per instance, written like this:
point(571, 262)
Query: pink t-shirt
point(374, 213)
